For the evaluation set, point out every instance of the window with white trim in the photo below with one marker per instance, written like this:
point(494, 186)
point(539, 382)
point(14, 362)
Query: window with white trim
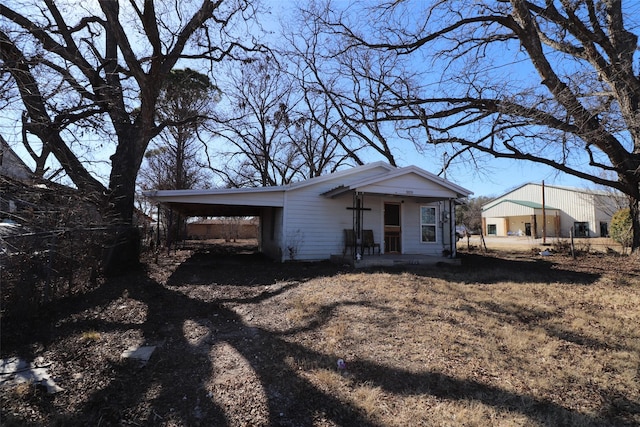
point(428, 219)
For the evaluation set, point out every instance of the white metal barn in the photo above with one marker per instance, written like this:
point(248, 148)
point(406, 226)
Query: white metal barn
point(522, 212)
point(408, 210)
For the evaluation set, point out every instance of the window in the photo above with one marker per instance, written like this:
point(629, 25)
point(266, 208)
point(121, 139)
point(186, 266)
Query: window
point(581, 229)
point(428, 224)
point(392, 214)
point(491, 229)
point(604, 229)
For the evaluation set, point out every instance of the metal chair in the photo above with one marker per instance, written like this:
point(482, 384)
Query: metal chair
point(349, 240)
point(368, 242)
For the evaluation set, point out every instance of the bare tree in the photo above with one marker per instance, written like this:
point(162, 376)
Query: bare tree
point(352, 83)
point(100, 69)
point(255, 126)
point(175, 162)
point(554, 83)
point(317, 137)
point(470, 213)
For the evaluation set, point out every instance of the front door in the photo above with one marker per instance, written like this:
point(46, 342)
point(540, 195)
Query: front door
point(392, 227)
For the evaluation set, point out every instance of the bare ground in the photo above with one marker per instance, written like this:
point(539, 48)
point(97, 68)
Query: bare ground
point(242, 341)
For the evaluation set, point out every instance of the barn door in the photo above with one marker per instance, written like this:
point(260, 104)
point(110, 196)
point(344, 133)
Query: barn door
point(392, 228)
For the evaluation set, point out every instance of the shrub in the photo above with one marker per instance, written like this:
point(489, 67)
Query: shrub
point(621, 229)
point(562, 246)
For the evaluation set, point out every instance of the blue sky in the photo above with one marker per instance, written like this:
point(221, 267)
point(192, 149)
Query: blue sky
point(494, 177)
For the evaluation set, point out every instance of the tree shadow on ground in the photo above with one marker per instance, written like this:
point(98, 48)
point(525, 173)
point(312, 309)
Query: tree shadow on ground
point(487, 270)
point(174, 382)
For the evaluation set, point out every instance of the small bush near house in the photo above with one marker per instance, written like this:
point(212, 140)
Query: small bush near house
point(621, 228)
point(562, 246)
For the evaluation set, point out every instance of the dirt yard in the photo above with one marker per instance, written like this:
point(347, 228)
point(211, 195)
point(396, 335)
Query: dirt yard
point(508, 338)
point(524, 243)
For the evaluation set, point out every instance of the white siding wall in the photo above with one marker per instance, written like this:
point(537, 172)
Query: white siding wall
point(516, 225)
point(316, 230)
point(411, 239)
point(605, 207)
point(410, 185)
point(313, 224)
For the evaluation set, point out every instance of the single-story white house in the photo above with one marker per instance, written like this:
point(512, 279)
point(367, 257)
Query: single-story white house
point(533, 209)
point(409, 210)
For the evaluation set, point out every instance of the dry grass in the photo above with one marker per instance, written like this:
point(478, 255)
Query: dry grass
point(90, 336)
point(474, 348)
point(503, 340)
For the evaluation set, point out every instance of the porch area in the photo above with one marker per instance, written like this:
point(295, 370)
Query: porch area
point(394, 260)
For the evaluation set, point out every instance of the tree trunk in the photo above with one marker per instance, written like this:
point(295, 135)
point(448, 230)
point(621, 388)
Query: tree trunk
point(634, 211)
point(123, 250)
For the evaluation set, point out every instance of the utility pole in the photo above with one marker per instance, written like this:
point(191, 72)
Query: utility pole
point(544, 218)
point(445, 158)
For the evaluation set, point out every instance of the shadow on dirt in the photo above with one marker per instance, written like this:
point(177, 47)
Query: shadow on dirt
point(488, 269)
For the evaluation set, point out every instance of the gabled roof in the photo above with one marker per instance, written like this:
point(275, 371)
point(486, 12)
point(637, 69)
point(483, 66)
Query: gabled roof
point(399, 172)
point(11, 165)
point(341, 174)
point(525, 203)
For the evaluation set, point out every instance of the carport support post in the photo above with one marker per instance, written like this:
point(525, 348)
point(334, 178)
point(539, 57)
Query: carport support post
point(158, 232)
point(452, 229)
point(169, 230)
point(158, 228)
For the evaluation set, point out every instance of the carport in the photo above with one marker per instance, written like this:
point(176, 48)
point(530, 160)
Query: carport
point(261, 203)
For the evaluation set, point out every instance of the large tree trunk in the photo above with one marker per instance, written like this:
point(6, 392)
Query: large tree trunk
point(632, 190)
point(123, 250)
point(634, 211)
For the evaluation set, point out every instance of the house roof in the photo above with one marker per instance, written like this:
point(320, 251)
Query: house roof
point(342, 174)
point(249, 201)
point(11, 165)
point(394, 173)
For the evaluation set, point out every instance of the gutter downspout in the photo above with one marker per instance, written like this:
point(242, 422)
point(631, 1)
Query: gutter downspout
point(452, 230)
point(283, 232)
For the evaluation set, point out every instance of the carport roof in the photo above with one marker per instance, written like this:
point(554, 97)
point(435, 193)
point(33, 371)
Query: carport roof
point(220, 202)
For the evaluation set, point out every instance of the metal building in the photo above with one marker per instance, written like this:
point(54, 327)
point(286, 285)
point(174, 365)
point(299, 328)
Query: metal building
point(540, 210)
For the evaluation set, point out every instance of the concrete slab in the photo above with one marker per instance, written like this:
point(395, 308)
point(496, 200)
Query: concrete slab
point(142, 353)
point(16, 371)
point(394, 260)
